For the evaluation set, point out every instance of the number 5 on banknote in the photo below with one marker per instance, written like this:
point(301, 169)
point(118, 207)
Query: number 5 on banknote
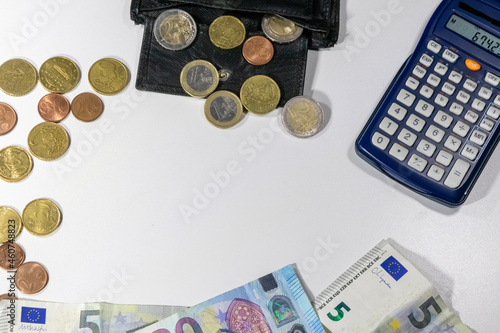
point(340, 313)
point(427, 314)
point(84, 323)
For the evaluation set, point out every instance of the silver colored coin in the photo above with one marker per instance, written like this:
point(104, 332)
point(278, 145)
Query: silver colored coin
point(223, 109)
point(303, 117)
point(199, 78)
point(175, 29)
point(280, 30)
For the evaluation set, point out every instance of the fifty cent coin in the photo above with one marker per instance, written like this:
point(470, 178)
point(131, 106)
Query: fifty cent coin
point(280, 30)
point(15, 164)
point(8, 118)
point(108, 76)
point(53, 107)
point(260, 94)
point(199, 78)
point(303, 117)
point(41, 217)
point(17, 77)
point(87, 107)
point(9, 217)
point(59, 75)
point(31, 278)
point(227, 32)
point(258, 50)
point(48, 141)
point(11, 256)
point(223, 109)
point(175, 29)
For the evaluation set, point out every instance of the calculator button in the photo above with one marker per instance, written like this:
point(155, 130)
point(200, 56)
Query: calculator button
point(478, 137)
point(444, 158)
point(450, 56)
point(497, 100)
point(452, 143)
point(470, 85)
point(388, 126)
point(412, 83)
point(380, 141)
point(457, 174)
point(471, 116)
point(417, 162)
point(470, 152)
point(397, 111)
point(435, 133)
point(426, 148)
point(424, 108)
point(426, 91)
point(419, 71)
point(443, 119)
point(472, 65)
point(463, 97)
point(478, 105)
point(398, 151)
point(487, 124)
point(493, 112)
point(456, 108)
point(435, 172)
point(448, 88)
point(440, 68)
point(433, 46)
point(426, 60)
point(433, 80)
point(492, 79)
point(485, 93)
point(407, 137)
point(441, 100)
point(406, 97)
point(415, 122)
point(461, 129)
point(455, 77)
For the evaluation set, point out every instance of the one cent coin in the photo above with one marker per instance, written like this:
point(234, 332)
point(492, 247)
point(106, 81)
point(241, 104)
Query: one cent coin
point(11, 256)
point(108, 76)
point(48, 141)
point(17, 77)
point(87, 107)
point(15, 164)
point(8, 118)
point(59, 75)
point(258, 50)
point(53, 107)
point(9, 221)
point(41, 217)
point(31, 277)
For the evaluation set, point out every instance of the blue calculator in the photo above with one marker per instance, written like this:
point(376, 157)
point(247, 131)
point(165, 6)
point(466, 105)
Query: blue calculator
point(437, 124)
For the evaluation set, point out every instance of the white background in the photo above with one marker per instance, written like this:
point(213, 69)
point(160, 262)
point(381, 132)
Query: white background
point(126, 177)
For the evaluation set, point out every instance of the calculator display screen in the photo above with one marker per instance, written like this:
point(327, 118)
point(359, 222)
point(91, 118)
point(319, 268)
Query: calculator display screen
point(474, 33)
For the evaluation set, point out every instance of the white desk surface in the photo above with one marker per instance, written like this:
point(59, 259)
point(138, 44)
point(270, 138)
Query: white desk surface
point(126, 176)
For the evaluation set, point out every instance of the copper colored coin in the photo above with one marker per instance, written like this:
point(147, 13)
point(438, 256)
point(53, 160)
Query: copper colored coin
point(53, 107)
point(258, 50)
point(11, 256)
point(7, 296)
point(31, 277)
point(8, 118)
point(87, 107)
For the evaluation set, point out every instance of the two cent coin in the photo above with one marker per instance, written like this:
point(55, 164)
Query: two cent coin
point(31, 277)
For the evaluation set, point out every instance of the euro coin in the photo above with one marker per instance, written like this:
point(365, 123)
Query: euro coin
point(108, 76)
point(87, 107)
point(303, 117)
point(15, 164)
point(260, 94)
point(258, 50)
point(7, 296)
point(227, 32)
point(12, 256)
point(59, 75)
point(31, 277)
point(8, 118)
point(41, 217)
point(10, 224)
point(53, 108)
point(175, 29)
point(48, 141)
point(279, 29)
point(223, 109)
point(17, 77)
point(199, 78)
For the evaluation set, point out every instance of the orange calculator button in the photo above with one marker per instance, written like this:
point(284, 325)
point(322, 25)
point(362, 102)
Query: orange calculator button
point(472, 65)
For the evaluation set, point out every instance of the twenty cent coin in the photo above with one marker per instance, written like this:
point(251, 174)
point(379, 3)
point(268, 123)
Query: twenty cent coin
point(199, 78)
point(53, 108)
point(48, 141)
point(258, 50)
point(108, 76)
point(41, 217)
point(227, 32)
point(11, 256)
point(31, 278)
point(17, 77)
point(8, 118)
point(175, 29)
point(223, 109)
point(87, 107)
point(280, 30)
point(303, 117)
point(9, 220)
point(15, 164)
point(59, 75)
point(260, 94)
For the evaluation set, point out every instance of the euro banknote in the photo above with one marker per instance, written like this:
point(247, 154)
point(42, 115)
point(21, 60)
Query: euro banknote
point(384, 293)
point(274, 303)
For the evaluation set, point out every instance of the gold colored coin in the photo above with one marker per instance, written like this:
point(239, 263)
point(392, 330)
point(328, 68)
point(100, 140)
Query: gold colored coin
point(48, 141)
point(11, 224)
point(260, 94)
point(108, 76)
point(199, 78)
point(15, 164)
point(223, 109)
point(227, 32)
point(59, 75)
point(41, 217)
point(17, 77)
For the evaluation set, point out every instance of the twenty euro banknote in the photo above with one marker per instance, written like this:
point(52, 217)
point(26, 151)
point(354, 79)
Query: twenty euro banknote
point(384, 293)
point(35, 316)
point(274, 303)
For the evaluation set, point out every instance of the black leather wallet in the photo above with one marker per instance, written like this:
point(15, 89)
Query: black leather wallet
point(159, 68)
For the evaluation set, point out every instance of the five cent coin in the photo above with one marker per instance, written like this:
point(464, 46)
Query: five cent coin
point(87, 107)
point(258, 50)
point(108, 76)
point(303, 117)
point(175, 29)
point(8, 118)
point(199, 78)
point(9, 220)
point(17, 77)
point(15, 164)
point(227, 32)
point(223, 109)
point(59, 75)
point(48, 141)
point(41, 217)
point(280, 30)
point(11, 256)
point(53, 108)
point(31, 277)
point(260, 94)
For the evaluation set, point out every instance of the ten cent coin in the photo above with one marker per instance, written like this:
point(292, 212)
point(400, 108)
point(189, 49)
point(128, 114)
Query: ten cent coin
point(223, 109)
point(41, 217)
point(227, 32)
point(48, 141)
point(15, 164)
point(199, 78)
point(87, 107)
point(17, 77)
point(258, 50)
point(175, 29)
point(59, 75)
point(11, 256)
point(53, 107)
point(303, 117)
point(9, 220)
point(260, 94)
point(8, 118)
point(31, 278)
point(108, 76)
